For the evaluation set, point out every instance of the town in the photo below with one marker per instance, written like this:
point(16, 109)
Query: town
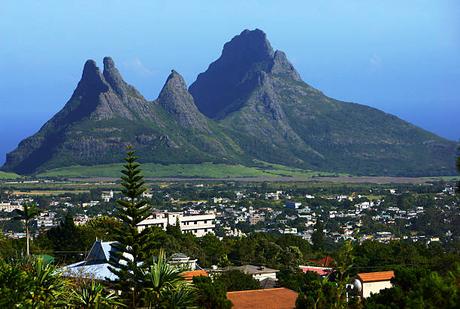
point(253, 243)
point(422, 212)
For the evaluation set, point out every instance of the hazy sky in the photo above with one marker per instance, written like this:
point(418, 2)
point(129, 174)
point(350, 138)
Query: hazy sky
point(400, 56)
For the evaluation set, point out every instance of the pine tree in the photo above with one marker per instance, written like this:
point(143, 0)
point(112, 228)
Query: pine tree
point(317, 237)
point(458, 169)
point(132, 251)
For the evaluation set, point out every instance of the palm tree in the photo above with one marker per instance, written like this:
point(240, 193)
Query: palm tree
point(165, 286)
point(31, 283)
point(48, 287)
point(28, 212)
point(93, 295)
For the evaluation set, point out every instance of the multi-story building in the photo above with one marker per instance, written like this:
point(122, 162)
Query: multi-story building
point(199, 225)
point(8, 207)
point(106, 196)
point(46, 220)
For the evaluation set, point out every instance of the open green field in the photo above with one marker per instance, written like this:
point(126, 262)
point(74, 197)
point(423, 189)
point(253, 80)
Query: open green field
point(6, 175)
point(203, 170)
point(47, 192)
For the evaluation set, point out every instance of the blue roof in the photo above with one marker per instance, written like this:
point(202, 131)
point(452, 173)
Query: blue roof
point(96, 264)
point(92, 271)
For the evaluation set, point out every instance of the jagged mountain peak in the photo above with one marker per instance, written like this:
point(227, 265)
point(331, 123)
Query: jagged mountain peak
point(282, 66)
point(178, 102)
point(259, 114)
point(116, 81)
point(92, 79)
point(249, 46)
point(175, 80)
point(229, 80)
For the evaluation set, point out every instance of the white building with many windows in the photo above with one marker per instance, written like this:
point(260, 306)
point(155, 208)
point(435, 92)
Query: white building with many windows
point(8, 207)
point(199, 224)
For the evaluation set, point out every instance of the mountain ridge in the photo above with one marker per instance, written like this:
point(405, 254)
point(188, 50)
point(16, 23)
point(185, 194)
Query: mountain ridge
point(250, 104)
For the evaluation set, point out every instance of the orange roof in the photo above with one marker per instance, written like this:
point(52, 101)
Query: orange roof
point(278, 298)
point(188, 275)
point(376, 276)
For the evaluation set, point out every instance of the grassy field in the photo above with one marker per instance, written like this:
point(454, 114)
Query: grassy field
point(203, 170)
point(6, 175)
point(48, 192)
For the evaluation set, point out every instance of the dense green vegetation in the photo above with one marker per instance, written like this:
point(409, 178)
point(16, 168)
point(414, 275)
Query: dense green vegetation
point(427, 275)
point(416, 265)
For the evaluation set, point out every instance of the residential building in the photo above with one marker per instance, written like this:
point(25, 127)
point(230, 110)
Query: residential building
point(321, 271)
point(372, 283)
point(96, 264)
point(198, 225)
point(258, 272)
point(106, 196)
point(189, 275)
point(256, 218)
point(265, 275)
point(8, 207)
point(182, 261)
point(277, 298)
point(46, 220)
point(292, 205)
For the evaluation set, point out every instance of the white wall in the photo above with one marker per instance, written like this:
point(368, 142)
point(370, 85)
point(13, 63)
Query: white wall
point(375, 287)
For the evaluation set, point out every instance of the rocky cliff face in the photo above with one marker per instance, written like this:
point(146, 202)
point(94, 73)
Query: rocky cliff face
point(105, 114)
point(250, 104)
point(229, 80)
point(178, 102)
point(259, 98)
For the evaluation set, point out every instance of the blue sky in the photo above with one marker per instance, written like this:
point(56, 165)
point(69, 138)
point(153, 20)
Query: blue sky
point(400, 56)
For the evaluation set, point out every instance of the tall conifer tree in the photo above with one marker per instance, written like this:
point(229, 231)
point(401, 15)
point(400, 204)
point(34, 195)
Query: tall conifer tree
point(133, 247)
point(458, 169)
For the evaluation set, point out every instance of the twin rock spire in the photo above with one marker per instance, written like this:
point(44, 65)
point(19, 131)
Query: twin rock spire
point(174, 97)
point(218, 91)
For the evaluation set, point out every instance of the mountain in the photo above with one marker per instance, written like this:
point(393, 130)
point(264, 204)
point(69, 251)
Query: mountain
point(250, 105)
point(105, 114)
point(260, 100)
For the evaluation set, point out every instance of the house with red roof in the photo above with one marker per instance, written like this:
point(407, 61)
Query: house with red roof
point(277, 298)
point(320, 271)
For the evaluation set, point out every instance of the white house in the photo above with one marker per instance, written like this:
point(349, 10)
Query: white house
point(106, 196)
point(183, 261)
point(8, 207)
point(266, 276)
point(372, 283)
point(198, 225)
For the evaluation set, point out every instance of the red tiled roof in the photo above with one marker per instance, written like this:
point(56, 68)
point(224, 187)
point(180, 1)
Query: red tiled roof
point(326, 261)
point(376, 276)
point(188, 275)
point(322, 271)
point(278, 298)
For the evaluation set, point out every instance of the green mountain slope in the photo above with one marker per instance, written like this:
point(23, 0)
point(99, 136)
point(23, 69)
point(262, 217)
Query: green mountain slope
point(279, 118)
point(250, 105)
point(105, 114)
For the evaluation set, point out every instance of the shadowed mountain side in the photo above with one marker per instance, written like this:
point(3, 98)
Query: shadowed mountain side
point(105, 114)
point(249, 105)
point(259, 98)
